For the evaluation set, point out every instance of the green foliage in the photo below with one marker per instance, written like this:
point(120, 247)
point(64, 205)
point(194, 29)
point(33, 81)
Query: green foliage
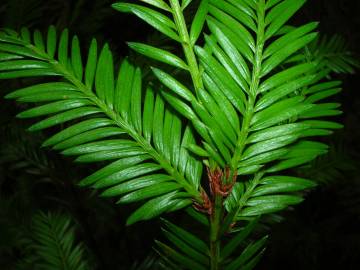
point(244, 100)
point(191, 252)
point(334, 53)
point(52, 244)
point(117, 129)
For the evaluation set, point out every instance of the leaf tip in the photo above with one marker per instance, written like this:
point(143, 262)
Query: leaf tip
point(45, 144)
point(120, 201)
point(130, 221)
point(105, 194)
point(122, 7)
point(155, 70)
point(82, 183)
point(131, 44)
point(34, 127)
point(20, 115)
point(10, 96)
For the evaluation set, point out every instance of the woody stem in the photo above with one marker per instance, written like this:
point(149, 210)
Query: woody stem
point(215, 222)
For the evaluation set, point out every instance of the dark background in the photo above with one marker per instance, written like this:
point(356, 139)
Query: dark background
point(321, 233)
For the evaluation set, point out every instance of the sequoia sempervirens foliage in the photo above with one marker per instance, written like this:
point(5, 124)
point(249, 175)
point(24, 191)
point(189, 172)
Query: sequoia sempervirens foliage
point(211, 131)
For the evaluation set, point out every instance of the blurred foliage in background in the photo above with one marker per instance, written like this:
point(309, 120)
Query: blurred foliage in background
point(323, 232)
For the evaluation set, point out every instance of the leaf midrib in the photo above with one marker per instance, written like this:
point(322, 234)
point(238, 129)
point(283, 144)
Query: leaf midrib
point(249, 113)
point(256, 75)
point(158, 157)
